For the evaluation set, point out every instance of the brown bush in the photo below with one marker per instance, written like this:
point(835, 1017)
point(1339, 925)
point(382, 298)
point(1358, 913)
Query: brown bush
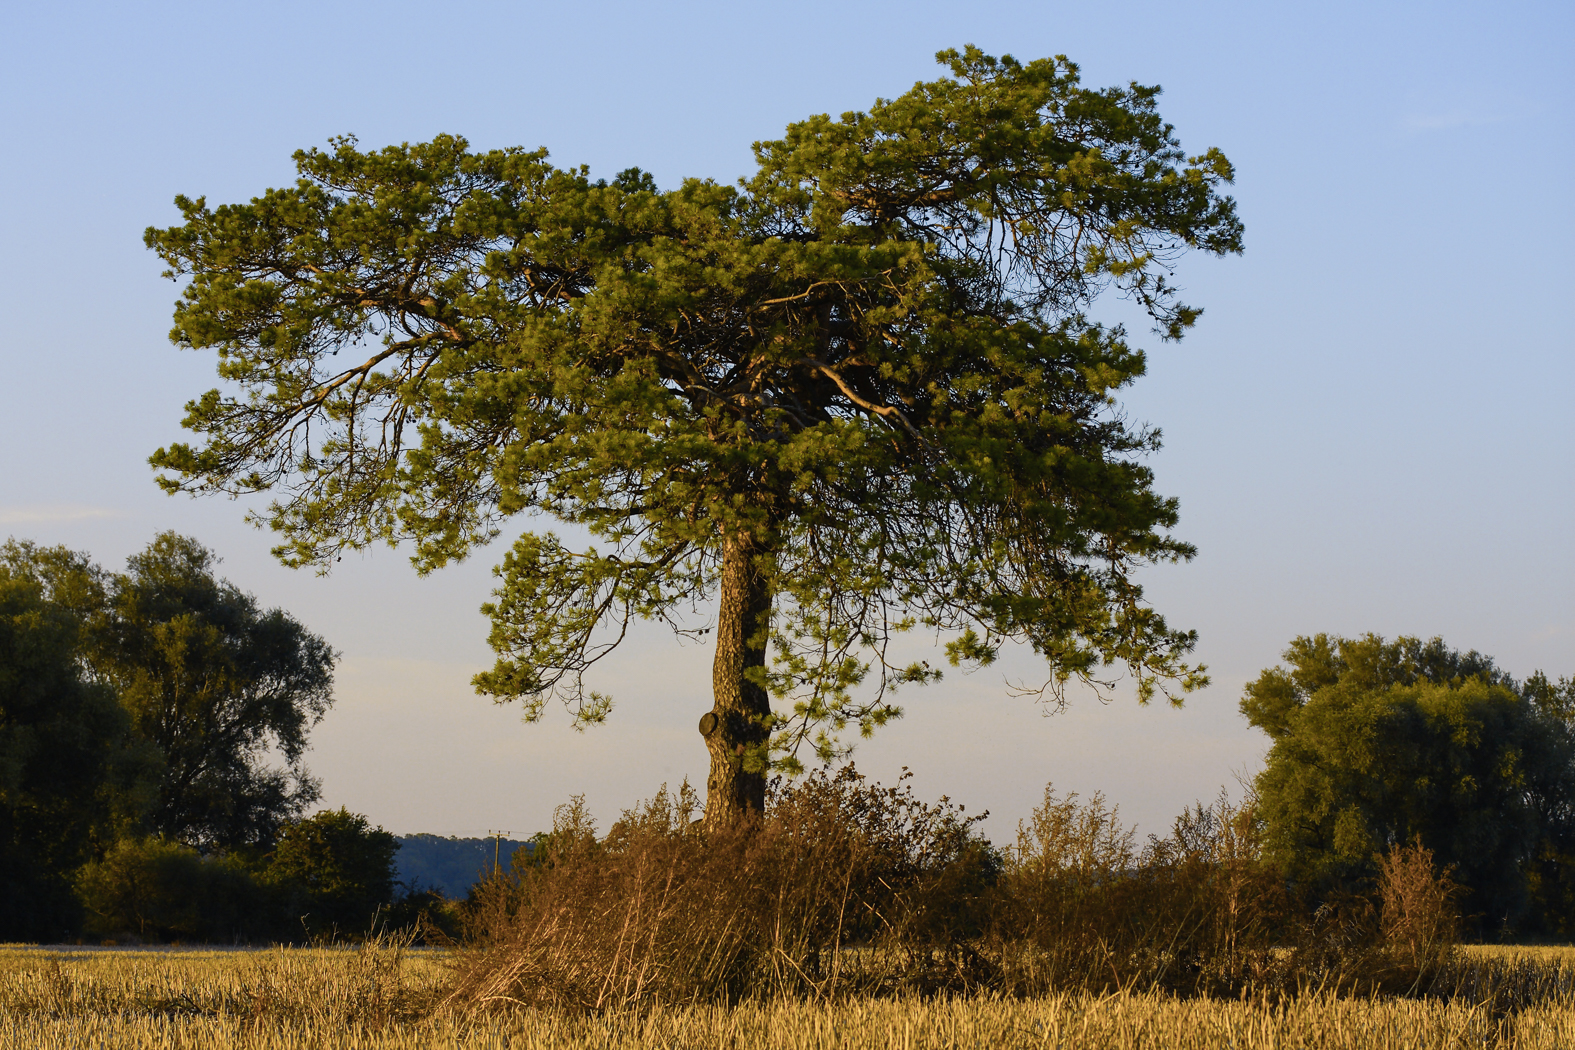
point(1399, 937)
point(1419, 918)
point(849, 888)
point(1079, 905)
point(843, 886)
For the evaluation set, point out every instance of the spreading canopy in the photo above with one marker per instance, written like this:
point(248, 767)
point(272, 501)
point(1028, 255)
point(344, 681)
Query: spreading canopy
point(857, 392)
point(1376, 743)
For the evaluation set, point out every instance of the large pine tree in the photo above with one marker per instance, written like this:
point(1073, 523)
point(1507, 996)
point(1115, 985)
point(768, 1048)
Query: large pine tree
point(854, 394)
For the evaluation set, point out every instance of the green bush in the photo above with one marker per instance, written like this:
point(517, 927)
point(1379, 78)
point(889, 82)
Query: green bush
point(329, 876)
point(155, 890)
point(336, 871)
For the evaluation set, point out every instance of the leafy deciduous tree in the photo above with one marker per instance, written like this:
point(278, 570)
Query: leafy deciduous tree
point(59, 743)
point(853, 395)
point(1551, 873)
point(220, 685)
point(212, 683)
point(1377, 743)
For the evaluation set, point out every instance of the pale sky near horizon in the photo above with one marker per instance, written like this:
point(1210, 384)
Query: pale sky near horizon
point(1369, 430)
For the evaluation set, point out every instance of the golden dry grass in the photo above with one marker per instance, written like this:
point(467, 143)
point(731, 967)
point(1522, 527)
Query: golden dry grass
point(1542, 954)
point(385, 998)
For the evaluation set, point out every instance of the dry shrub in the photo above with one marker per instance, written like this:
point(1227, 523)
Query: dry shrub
point(1079, 905)
point(849, 888)
point(1336, 944)
point(1418, 919)
point(844, 886)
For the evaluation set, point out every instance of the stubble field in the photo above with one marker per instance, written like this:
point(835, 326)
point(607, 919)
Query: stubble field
point(388, 997)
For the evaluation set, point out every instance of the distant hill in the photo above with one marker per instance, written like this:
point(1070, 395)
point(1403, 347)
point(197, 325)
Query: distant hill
point(449, 865)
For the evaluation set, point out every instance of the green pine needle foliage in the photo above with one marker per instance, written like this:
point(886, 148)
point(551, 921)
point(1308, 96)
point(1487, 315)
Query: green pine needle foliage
point(871, 359)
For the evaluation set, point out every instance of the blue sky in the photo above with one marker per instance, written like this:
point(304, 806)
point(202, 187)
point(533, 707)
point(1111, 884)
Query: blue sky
point(1370, 429)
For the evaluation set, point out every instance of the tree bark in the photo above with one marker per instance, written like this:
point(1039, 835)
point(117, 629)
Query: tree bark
point(735, 727)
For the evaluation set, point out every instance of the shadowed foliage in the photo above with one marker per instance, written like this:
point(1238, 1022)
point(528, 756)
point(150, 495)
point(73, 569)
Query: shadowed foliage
point(61, 739)
point(1377, 744)
point(215, 688)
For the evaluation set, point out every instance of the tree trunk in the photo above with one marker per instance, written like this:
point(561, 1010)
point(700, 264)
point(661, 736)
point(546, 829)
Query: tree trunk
point(735, 727)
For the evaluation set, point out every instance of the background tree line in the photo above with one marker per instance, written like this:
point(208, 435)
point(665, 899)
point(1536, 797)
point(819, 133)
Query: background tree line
point(153, 724)
point(451, 865)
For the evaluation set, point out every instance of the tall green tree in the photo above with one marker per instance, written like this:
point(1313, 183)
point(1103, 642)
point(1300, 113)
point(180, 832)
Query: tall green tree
point(853, 395)
point(60, 760)
point(221, 692)
point(1551, 874)
point(1376, 743)
point(222, 686)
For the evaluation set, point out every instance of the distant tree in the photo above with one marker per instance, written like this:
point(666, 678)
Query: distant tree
point(61, 739)
point(342, 867)
point(220, 685)
point(217, 685)
point(855, 395)
point(1376, 743)
point(1551, 874)
point(451, 865)
point(156, 889)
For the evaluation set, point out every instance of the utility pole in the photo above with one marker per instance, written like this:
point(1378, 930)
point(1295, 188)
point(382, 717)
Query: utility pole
point(497, 845)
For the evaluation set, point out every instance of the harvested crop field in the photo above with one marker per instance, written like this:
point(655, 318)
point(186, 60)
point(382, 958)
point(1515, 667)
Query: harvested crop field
point(392, 998)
